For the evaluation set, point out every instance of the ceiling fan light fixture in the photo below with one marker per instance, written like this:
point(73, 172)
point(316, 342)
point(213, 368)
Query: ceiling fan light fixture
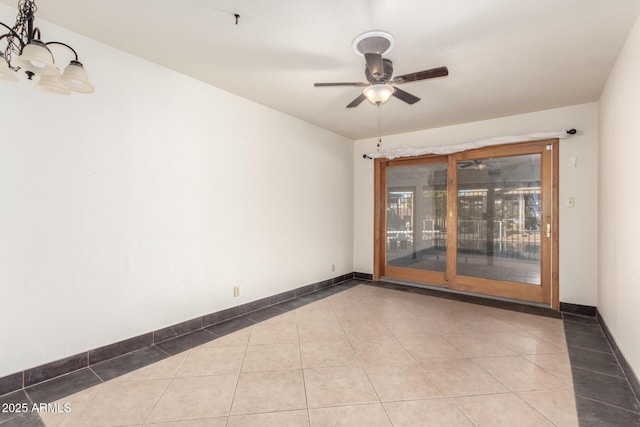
point(378, 94)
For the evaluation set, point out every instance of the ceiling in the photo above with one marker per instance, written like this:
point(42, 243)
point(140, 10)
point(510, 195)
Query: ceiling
point(504, 57)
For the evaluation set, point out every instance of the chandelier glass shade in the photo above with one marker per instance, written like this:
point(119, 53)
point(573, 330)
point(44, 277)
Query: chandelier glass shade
point(26, 52)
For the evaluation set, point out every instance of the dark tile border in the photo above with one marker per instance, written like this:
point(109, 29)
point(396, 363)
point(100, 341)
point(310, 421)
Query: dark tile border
point(65, 385)
point(634, 383)
point(363, 276)
point(603, 391)
point(10, 383)
point(175, 338)
point(583, 310)
point(126, 363)
point(118, 349)
point(16, 398)
point(176, 330)
point(55, 369)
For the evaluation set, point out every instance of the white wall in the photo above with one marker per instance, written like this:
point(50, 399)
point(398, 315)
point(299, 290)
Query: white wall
point(141, 205)
point(578, 235)
point(619, 201)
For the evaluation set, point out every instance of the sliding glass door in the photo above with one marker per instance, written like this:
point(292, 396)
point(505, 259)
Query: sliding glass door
point(480, 221)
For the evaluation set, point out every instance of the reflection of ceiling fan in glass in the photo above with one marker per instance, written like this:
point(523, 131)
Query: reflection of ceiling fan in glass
point(490, 165)
point(473, 164)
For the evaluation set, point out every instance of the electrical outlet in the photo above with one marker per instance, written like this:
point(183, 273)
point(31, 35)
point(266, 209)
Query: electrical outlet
point(236, 291)
point(333, 267)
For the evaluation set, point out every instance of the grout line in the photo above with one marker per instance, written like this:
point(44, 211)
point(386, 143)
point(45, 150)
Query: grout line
point(170, 381)
point(607, 404)
point(304, 382)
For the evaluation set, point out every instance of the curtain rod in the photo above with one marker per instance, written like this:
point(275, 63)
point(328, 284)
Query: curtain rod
point(477, 144)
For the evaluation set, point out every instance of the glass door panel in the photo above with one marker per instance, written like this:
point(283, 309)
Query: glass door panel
point(499, 218)
point(416, 218)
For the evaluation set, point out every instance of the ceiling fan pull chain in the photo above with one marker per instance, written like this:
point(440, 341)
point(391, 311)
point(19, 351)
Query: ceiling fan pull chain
point(379, 127)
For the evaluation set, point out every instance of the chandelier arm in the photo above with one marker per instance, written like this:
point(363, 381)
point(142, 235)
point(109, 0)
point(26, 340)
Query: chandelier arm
point(67, 46)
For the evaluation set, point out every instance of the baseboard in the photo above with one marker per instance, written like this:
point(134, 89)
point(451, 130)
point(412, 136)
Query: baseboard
point(48, 371)
point(626, 368)
point(582, 310)
point(363, 276)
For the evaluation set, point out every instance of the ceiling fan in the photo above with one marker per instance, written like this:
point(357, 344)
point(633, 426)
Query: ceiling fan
point(379, 71)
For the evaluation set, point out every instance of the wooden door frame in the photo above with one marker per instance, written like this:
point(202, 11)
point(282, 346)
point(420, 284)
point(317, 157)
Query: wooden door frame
point(550, 172)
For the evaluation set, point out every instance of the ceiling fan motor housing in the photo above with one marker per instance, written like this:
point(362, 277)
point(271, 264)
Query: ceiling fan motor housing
point(388, 72)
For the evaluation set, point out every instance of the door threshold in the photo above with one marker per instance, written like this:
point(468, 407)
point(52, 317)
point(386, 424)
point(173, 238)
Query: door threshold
point(444, 289)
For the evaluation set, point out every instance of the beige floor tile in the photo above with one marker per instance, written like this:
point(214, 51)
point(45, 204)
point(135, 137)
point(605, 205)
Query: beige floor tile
point(476, 345)
point(316, 311)
point(500, 410)
point(355, 314)
point(236, 339)
point(338, 386)
point(273, 419)
point(193, 398)
point(522, 342)
point(212, 361)
point(519, 374)
point(76, 402)
point(430, 347)
point(321, 331)
point(559, 406)
point(381, 351)
point(410, 328)
point(554, 336)
point(365, 328)
point(272, 357)
point(530, 322)
point(207, 422)
point(164, 369)
point(344, 355)
point(346, 300)
point(286, 317)
point(372, 415)
point(432, 413)
point(117, 403)
point(269, 391)
point(471, 324)
point(389, 308)
point(462, 378)
point(325, 354)
point(404, 382)
point(274, 333)
point(557, 365)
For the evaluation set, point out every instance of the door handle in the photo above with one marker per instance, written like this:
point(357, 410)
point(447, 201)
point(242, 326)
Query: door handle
point(548, 230)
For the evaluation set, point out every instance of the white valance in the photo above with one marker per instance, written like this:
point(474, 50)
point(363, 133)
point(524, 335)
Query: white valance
point(407, 151)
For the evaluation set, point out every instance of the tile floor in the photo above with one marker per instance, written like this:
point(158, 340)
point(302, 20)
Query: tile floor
point(354, 355)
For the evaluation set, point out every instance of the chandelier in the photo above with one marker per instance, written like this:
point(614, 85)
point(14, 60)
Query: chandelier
point(26, 52)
